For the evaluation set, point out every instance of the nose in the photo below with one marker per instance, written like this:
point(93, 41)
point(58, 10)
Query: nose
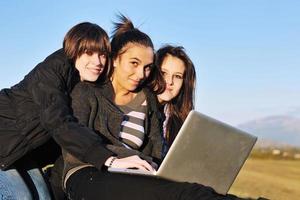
point(169, 79)
point(99, 60)
point(102, 60)
point(140, 72)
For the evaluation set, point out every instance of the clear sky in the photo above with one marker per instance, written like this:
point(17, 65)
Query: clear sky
point(247, 52)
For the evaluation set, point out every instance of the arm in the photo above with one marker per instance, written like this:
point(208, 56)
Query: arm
point(49, 90)
point(85, 104)
point(156, 136)
point(154, 128)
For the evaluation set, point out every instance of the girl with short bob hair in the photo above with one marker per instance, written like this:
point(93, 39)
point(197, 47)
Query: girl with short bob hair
point(178, 99)
point(125, 114)
point(85, 38)
point(36, 112)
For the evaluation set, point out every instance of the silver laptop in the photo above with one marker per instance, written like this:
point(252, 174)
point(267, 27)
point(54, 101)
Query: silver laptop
point(205, 151)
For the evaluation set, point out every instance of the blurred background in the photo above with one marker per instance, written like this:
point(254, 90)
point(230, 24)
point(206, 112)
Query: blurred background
point(246, 53)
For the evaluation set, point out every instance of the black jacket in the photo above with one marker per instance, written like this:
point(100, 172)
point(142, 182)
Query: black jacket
point(94, 107)
point(38, 108)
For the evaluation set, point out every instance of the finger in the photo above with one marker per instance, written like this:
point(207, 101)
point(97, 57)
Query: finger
point(141, 167)
point(146, 165)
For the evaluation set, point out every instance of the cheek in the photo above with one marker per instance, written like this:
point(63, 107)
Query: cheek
point(81, 71)
point(178, 88)
point(83, 75)
point(121, 73)
point(123, 69)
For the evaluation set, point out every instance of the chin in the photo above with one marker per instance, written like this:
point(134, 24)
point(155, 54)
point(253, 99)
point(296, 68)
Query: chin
point(165, 98)
point(132, 88)
point(92, 79)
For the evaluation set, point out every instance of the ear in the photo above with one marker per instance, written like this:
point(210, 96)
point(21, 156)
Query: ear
point(116, 61)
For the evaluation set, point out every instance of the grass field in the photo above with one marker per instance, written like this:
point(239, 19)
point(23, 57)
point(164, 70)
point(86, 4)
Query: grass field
point(272, 179)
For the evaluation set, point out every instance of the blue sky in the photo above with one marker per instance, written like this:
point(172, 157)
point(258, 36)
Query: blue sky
point(247, 52)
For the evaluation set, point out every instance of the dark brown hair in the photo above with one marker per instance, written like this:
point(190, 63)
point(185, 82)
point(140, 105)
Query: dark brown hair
point(124, 33)
point(85, 37)
point(180, 106)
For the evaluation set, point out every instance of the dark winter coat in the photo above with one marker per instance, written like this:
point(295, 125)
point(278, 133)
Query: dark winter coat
point(38, 108)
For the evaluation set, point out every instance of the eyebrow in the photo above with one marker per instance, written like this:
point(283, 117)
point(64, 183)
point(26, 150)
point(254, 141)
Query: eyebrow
point(178, 73)
point(164, 69)
point(135, 58)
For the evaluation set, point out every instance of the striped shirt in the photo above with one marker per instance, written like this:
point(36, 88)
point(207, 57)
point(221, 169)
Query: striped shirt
point(132, 132)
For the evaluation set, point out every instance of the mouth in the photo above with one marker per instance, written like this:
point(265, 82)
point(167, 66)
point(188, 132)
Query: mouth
point(135, 82)
point(169, 89)
point(96, 70)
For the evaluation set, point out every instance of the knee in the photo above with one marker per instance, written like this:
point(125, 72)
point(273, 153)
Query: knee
point(12, 193)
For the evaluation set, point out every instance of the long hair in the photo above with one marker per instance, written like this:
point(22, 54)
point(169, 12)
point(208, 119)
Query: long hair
point(180, 106)
point(124, 33)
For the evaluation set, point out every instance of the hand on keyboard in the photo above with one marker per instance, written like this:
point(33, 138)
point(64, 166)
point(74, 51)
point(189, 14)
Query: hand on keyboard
point(130, 162)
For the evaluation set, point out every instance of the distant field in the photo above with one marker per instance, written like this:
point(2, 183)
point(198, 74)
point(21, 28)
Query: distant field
point(273, 179)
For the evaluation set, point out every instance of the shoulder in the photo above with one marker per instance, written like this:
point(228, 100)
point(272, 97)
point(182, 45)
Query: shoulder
point(82, 89)
point(105, 89)
point(149, 94)
point(57, 56)
point(153, 103)
point(57, 63)
point(54, 68)
point(151, 99)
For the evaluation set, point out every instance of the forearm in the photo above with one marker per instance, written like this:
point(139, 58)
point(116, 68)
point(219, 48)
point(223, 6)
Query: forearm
point(82, 143)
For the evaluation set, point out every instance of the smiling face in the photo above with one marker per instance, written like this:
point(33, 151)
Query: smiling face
point(131, 67)
point(173, 70)
point(90, 66)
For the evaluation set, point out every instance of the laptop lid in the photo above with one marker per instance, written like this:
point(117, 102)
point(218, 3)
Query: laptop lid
point(208, 152)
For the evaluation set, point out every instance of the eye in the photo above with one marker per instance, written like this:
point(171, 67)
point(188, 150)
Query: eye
point(103, 52)
point(88, 52)
point(102, 56)
point(177, 76)
point(164, 73)
point(134, 63)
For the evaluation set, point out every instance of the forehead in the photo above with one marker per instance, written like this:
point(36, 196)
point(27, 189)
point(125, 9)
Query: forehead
point(173, 64)
point(137, 51)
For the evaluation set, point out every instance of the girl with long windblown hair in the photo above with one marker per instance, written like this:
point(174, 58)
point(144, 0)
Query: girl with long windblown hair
point(178, 97)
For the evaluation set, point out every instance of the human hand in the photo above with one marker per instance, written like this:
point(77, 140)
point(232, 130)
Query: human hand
point(130, 162)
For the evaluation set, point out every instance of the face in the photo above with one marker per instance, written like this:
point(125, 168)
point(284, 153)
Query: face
point(90, 66)
point(172, 69)
point(131, 67)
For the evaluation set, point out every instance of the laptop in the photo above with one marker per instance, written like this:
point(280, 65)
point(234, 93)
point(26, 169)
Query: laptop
point(205, 151)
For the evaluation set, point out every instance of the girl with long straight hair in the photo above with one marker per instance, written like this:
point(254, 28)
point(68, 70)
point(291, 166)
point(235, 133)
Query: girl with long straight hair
point(178, 97)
